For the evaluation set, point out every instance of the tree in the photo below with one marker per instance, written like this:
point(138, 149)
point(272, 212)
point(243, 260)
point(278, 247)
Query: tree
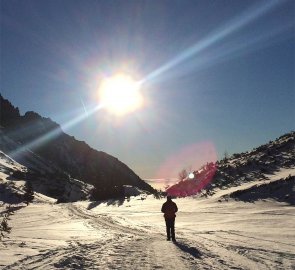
point(182, 174)
point(29, 193)
point(225, 155)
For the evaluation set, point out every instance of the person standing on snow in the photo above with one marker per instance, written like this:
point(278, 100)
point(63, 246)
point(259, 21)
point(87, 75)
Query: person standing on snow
point(169, 208)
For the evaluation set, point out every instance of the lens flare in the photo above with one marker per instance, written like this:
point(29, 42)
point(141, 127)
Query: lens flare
point(201, 158)
point(191, 176)
point(196, 181)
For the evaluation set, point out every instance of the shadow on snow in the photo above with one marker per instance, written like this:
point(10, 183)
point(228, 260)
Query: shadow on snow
point(191, 250)
point(114, 202)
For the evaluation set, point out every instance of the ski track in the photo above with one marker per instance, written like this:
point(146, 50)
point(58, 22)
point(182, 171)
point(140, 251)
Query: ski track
point(126, 247)
point(123, 247)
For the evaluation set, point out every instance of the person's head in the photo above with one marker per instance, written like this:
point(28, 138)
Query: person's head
point(169, 198)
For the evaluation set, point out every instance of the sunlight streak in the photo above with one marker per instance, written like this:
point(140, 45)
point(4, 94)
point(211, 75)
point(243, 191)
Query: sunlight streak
point(86, 112)
point(53, 133)
point(242, 47)
point(232, 26)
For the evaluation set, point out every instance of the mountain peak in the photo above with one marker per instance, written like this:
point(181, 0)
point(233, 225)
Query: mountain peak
point(64, 153)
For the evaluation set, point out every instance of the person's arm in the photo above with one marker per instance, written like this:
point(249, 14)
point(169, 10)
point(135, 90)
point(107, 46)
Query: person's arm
point(163, 208)
point(176, 208)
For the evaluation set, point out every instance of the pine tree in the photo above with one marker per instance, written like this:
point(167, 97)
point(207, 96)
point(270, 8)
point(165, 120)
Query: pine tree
point(29, 193)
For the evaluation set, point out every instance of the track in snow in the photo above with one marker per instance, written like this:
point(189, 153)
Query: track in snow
point(126, 246)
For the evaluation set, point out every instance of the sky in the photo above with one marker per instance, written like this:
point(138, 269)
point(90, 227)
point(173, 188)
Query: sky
point(217, 76)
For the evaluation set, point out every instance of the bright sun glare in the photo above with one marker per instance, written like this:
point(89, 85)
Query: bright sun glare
point(120, 94)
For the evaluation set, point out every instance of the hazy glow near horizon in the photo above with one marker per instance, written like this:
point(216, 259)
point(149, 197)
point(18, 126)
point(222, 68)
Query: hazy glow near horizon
point(120, 94)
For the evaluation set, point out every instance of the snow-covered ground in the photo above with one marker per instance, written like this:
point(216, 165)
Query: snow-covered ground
point(130, 234)
point(13, 177)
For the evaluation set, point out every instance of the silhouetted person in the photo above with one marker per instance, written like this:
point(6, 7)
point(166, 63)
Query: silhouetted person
point(169, 208)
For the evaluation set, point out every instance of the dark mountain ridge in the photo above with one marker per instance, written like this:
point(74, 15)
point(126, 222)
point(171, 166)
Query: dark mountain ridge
point(75, 158)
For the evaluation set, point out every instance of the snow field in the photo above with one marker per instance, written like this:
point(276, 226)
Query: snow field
point(210, 235)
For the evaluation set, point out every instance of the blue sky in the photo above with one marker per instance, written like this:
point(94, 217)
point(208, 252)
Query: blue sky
point(218, 75)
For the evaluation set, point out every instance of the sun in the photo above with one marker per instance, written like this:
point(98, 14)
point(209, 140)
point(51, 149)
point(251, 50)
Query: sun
point(120, 94)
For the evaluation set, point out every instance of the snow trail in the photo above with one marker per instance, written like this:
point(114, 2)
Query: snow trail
point(210, 235)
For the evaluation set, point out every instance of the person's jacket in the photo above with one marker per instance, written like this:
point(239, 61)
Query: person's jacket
point(169, 208)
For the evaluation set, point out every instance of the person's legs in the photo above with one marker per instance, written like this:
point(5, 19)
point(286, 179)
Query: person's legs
point(172, 229)
point(168, 228)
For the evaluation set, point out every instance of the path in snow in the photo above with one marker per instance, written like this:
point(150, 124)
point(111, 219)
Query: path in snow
point(68, 236)
point(113, 246)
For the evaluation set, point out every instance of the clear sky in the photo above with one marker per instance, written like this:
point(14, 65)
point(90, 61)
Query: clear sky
point(217, 75)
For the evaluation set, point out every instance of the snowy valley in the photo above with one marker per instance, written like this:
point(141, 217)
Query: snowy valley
point(147, 135)
point(244, 219)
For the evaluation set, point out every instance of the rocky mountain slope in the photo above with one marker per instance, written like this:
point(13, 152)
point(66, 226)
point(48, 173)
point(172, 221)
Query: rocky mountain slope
point(54, 185)
point(40, 144)
point(256, 165)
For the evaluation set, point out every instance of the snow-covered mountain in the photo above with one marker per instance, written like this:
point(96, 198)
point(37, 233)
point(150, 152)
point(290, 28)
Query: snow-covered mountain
point(256, 167)
point(256, 164)
point(45, 179)
point(48, 153)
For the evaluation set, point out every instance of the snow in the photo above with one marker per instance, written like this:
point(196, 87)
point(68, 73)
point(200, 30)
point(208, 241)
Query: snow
point(214, 232)
point(12, 182)
point(283, 173)
point(130, 234)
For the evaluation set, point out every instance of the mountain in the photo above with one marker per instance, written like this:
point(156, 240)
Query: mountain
point(256, 166)
point(46, 183)
point(40, 145)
